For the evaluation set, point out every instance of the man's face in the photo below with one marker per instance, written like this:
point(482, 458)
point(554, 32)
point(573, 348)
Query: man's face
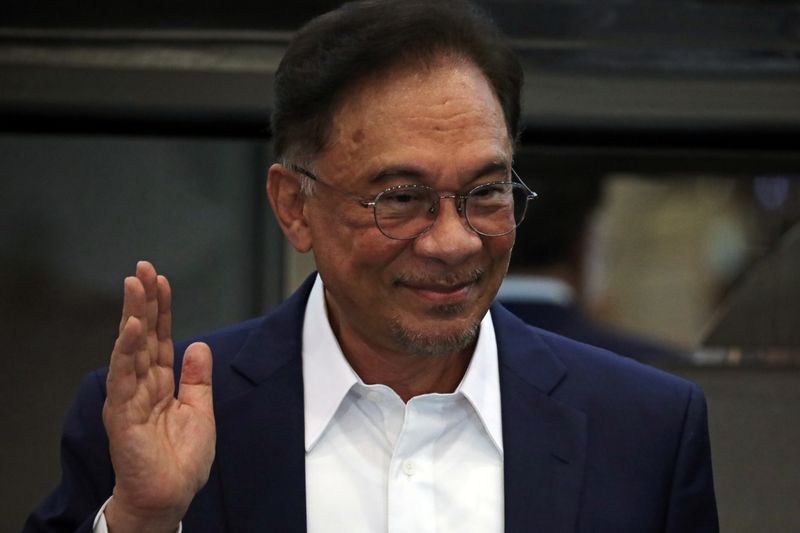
point(442, 127)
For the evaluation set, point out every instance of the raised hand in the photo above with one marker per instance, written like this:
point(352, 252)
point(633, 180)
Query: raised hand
point(161, 446)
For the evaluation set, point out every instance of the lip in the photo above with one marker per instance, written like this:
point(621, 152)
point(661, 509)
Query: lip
point(441, 294)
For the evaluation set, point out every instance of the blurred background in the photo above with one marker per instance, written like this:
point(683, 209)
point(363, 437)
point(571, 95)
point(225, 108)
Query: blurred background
point(140, 129)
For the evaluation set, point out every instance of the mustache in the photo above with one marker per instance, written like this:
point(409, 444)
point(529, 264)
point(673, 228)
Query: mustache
point(447, 279)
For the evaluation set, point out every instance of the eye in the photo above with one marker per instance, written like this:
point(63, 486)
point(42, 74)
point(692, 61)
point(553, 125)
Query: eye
point(405, 195)
point(491, 192)
point(401, 197)
point(404, 203)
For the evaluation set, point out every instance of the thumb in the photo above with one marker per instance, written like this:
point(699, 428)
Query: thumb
point(195, 385)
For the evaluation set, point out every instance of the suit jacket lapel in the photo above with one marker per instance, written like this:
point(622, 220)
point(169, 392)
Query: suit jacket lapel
point(544, 440)
point(260, 445)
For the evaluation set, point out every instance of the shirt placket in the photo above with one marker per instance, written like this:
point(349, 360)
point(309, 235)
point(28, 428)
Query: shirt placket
point(411, 488)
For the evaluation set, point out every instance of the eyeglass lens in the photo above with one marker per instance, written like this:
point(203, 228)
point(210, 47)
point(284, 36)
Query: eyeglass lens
point(492, 209)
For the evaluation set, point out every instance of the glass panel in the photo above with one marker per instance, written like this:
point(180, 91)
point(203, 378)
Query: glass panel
point(77, 213)
point(697, 239)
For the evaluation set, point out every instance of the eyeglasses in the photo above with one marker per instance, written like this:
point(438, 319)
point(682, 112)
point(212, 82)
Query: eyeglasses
point(407, 211)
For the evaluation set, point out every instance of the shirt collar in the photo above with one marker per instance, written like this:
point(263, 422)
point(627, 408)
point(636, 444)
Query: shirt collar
point(328, 377)
point(481, 383)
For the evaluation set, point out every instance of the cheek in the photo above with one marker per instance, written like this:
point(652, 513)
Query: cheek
point(371, 252)
point(353, 249)
point(335, 228)
point(500, 256)
point(500, 248)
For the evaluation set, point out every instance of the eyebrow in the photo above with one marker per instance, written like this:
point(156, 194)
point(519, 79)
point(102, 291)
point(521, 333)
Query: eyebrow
point(497, 166)
point(397, 172)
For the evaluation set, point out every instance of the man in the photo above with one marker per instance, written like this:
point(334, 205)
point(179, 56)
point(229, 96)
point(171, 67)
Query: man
point(382, 396)
point(546, 282)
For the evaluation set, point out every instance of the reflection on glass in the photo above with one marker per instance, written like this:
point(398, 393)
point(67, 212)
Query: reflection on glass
point(695, 260)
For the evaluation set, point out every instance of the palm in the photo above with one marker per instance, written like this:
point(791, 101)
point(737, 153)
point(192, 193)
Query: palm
point(161, 446)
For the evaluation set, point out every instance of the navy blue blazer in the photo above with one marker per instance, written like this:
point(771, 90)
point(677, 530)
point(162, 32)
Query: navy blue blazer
point(593, 442)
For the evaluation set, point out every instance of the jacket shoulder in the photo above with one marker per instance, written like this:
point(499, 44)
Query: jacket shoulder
point(586, 375)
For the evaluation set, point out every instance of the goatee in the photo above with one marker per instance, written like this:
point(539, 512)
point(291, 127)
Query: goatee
point(434, 344)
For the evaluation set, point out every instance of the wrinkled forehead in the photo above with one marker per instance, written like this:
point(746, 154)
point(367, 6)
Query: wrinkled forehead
point(411, 81)
point(436, 94)
point(439, 119)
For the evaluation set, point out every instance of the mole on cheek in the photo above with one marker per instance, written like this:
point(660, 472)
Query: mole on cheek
point(358, 136)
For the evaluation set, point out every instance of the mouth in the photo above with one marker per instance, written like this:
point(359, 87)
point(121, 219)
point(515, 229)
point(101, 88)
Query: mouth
point(450, 290)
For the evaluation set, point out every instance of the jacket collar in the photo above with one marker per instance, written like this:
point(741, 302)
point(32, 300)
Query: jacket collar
point(545, 439)
point(260, 448)
point(278, 341)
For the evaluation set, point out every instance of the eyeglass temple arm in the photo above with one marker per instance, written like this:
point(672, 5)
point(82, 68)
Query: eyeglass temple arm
point(310, 175)
point(531, 193)
point(304, 172)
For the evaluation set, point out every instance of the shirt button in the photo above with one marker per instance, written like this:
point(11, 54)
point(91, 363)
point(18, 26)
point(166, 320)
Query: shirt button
point(409, 468)
point(374, 396)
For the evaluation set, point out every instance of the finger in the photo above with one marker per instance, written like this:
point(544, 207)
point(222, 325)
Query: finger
point(143, 358)
point(133, 303)
point(121, 380)
point(195, 383)
point(164, 296)
point(147, 275)
point(164, 325)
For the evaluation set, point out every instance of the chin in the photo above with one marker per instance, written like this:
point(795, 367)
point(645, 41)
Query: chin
point(427, 341)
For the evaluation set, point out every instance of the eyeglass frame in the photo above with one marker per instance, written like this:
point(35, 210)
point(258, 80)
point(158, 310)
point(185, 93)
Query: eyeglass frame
point(460, 200)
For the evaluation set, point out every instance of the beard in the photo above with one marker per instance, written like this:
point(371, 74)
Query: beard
point(429, 343)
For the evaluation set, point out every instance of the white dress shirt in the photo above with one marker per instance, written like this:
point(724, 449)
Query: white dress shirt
point(375, 464)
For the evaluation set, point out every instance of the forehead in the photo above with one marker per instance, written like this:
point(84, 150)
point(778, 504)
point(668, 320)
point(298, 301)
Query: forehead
point(443, 117)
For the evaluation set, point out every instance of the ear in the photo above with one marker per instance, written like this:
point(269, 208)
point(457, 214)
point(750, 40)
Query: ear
point(288, 201)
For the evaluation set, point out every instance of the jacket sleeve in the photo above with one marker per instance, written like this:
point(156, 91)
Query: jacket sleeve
point(87, 477)
point(692, 504)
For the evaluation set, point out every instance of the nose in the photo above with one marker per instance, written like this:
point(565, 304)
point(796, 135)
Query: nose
point(450, 239)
